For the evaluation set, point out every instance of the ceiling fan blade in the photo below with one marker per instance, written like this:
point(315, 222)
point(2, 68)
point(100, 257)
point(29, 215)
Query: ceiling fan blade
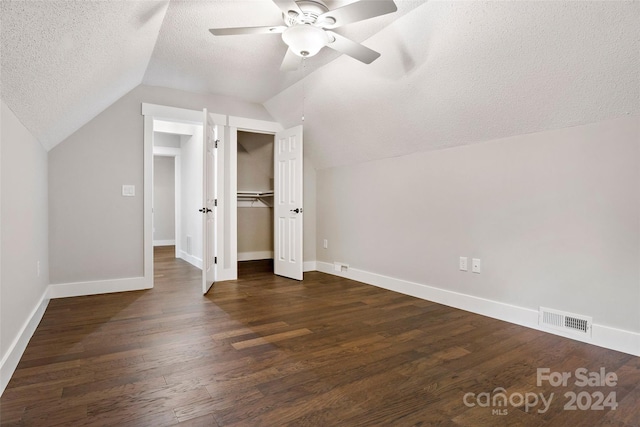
point(351, 48)
point(288, 5)
point(247, 30)
point(354, 12)
point(291, 61)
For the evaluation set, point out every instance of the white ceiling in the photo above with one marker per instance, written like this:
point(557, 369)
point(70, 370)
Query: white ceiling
point(451, 73)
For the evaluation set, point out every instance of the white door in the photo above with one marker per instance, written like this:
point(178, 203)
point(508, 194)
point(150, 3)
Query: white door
point(288, 203)
point(209, 201)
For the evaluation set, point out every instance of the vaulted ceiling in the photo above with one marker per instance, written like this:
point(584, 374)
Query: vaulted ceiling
point(450, 73)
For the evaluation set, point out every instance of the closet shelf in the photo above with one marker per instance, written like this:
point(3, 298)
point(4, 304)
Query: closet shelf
point(266, 197)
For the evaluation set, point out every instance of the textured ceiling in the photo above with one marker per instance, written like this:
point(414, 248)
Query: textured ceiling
point(188, 57)
point(64, 62)
point(455, 73)
point(451, 73)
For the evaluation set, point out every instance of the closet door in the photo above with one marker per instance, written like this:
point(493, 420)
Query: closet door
point(288, 216)
point(209, 202)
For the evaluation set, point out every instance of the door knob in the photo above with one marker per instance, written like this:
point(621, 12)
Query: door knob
point(296, 210)
point(204, 210)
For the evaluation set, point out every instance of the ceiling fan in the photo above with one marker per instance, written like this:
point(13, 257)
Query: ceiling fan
point(308, 25)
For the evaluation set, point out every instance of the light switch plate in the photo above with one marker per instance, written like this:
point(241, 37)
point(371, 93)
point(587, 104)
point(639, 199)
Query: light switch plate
point(129, 190)
point(463, 263)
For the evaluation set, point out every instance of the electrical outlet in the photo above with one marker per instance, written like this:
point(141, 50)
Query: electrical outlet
point(325, 244)
point(475, 265)
point(463, 263)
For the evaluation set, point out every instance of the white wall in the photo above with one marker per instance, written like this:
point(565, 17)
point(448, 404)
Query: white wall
point(191, 197)
point(24, 227)
point(96, 234)
point(164, 208)
point(554, 217)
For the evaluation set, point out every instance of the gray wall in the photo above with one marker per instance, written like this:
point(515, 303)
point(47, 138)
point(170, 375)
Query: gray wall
point(255, 161)
point(255, 231)
point(95, 232)
point(255, 173)
point(554, 217)
point(164, 200)
point(309, 206)
point(24, 227)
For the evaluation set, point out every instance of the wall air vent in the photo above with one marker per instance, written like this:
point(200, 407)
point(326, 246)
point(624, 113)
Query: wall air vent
point(575, 324)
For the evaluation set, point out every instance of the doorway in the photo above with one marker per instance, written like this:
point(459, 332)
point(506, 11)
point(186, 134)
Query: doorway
point(177, 190)
point(288, 211)
point(255, 202)
point(287, 194)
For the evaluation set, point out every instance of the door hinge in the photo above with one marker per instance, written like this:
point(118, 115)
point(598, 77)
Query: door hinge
point(217, 140)
point(215, 202)
point(215, 259)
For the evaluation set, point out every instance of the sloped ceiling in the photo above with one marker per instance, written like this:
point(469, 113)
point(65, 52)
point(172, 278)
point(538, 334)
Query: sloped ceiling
point(451, 73)
point(188, 57)
point(455, 73)
point(64, 62)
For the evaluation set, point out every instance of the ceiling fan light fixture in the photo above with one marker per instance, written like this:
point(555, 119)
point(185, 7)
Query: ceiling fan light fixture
point(305, 40)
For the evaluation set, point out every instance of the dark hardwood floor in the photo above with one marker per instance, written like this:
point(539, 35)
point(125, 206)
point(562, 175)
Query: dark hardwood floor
point(268, 351)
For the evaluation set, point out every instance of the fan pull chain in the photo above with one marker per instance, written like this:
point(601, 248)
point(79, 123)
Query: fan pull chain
point(304, 95)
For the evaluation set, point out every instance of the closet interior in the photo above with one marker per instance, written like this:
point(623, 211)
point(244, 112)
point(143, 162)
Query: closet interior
point(255, 202)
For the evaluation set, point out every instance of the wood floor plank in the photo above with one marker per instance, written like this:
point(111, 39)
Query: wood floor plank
point(268, 339)
point(246, 331)
point(266, 350)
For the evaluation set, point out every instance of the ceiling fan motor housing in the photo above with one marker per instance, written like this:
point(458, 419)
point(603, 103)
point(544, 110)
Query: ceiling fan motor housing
point(311, 9)
point(309, 26)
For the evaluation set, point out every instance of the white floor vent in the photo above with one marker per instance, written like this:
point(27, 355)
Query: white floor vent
point(575, 324)
point(340, 267)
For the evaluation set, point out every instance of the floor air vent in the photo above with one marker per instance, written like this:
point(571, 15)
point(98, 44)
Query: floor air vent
point(567, 322)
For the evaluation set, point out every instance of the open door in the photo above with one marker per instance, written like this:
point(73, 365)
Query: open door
point(209, 201)
point(288, 214)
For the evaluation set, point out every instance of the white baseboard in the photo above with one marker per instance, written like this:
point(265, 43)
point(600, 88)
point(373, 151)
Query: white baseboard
point(164, 243)
point(309, 266)
point(602, 336)
point(226, 275)
point(250, 256)
point(64, 290)
point(196, 262)
point(617, 339)
point(13, 354)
